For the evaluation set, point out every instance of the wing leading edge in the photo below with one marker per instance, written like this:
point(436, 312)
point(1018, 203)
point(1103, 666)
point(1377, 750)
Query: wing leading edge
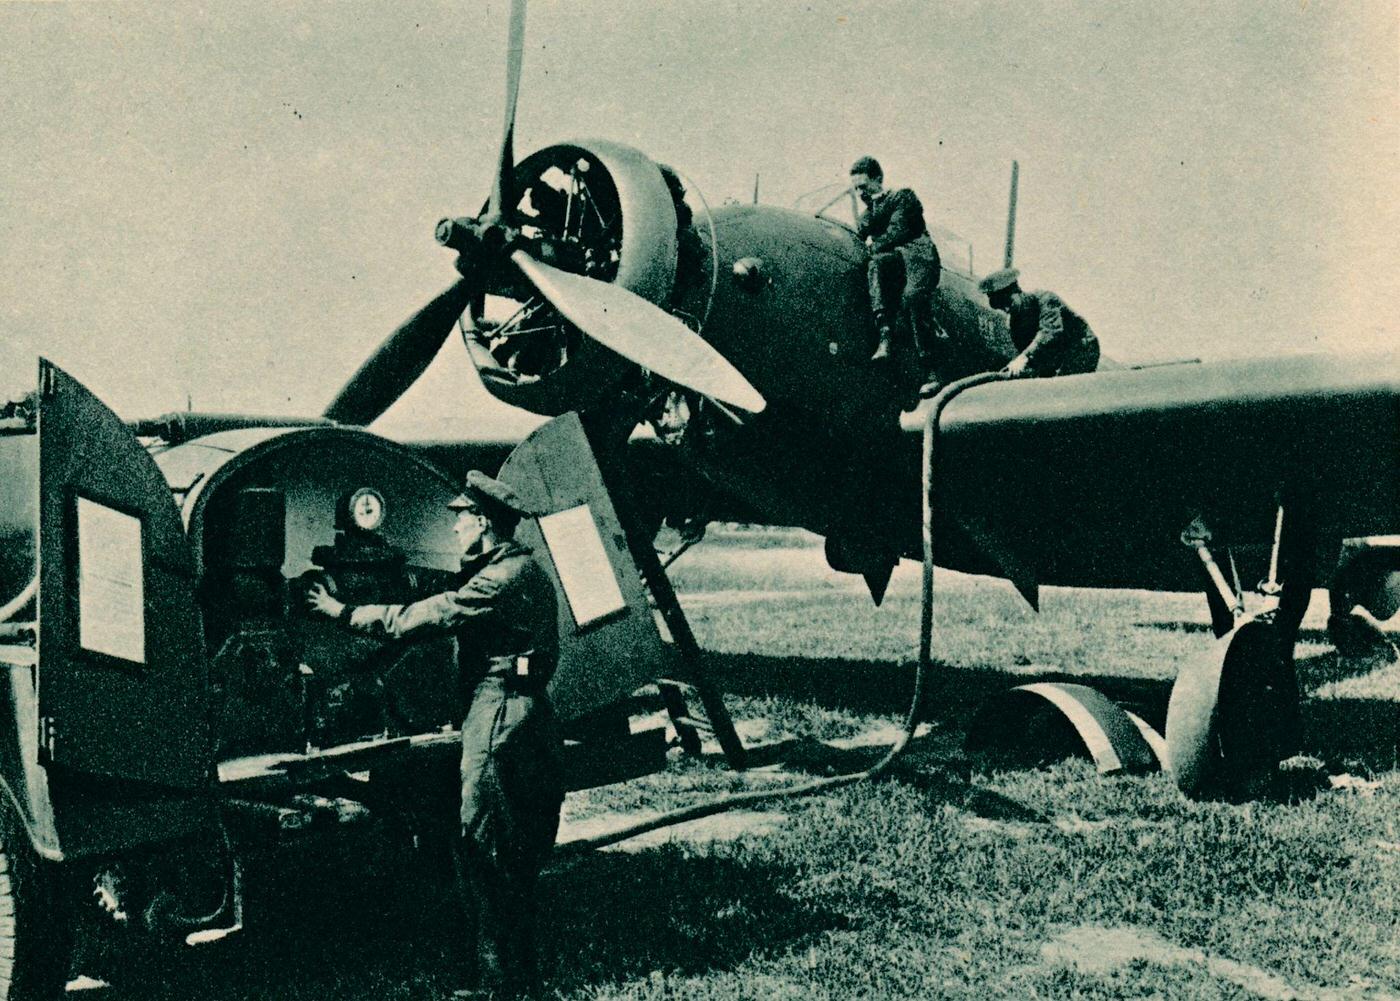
point(1090, 480)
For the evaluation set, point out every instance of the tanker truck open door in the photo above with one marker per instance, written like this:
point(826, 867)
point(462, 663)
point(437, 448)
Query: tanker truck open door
point(608, 579)
point(609, 644)
point(122, 678)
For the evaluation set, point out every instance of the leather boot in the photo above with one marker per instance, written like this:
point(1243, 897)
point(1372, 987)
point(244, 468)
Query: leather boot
point(882, 349)
point(932, 383)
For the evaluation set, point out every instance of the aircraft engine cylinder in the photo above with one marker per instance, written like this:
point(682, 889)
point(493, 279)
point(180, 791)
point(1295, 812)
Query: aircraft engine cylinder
point(595, 208)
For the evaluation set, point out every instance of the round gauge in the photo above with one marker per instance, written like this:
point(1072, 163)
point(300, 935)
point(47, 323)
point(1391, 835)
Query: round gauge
point(367, 508)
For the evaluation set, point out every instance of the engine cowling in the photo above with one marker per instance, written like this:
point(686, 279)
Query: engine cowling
point(596, 208)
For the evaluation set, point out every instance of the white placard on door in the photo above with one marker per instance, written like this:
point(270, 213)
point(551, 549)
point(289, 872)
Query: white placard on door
point(111, 584)
point(589, 582)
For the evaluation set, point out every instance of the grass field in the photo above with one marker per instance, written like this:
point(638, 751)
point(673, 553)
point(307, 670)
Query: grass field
point(947, 878)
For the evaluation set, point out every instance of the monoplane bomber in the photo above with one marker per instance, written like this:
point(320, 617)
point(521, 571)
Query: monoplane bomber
point(174, 704)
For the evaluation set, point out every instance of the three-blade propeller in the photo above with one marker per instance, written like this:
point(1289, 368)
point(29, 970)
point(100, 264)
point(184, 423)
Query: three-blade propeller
point(615, 317)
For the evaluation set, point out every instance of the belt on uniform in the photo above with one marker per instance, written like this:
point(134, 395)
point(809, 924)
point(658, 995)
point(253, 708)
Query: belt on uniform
point(514, 684)
point(523, 672)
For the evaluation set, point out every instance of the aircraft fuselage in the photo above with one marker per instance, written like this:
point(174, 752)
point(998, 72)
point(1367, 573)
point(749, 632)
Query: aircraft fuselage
point(827, 454)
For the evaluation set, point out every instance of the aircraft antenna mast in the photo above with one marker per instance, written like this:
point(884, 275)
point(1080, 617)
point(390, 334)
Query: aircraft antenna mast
point(755, 189)
point(1011, 215)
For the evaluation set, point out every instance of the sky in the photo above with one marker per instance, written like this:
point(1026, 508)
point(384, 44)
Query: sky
point(228, 206)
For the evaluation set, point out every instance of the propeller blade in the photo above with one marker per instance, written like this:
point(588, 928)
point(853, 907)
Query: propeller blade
point(641, 332)
point(502, 197)
point(398, 362)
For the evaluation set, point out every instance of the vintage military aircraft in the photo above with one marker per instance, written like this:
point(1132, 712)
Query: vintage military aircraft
point(1126, 478)
point(171, 706)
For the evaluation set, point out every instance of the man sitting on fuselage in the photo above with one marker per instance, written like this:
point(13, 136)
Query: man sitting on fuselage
point(904, 268)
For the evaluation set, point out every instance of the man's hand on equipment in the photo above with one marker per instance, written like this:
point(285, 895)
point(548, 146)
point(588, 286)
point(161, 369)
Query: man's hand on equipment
point(318, 599)
point(1016, 366)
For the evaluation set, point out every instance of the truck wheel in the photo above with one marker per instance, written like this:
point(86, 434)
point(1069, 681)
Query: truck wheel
point(35, 937)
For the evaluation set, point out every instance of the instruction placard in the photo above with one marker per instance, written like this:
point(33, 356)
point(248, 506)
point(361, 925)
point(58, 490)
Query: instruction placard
point(585, 572)
point(111, 588)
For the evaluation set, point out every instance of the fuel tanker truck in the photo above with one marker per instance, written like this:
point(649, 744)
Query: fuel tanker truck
point(170, 706)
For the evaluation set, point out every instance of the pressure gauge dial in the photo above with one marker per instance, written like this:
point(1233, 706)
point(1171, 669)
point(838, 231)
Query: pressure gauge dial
point(367, 508)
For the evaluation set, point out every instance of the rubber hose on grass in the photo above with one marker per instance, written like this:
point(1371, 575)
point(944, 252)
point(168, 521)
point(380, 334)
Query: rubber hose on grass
point(924, 668)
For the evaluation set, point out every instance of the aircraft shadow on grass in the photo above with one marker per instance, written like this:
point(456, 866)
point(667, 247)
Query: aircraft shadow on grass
point(611, 916)
point(1345, 731)
point(617, 916)
point(1305, 635)
point(630, 913)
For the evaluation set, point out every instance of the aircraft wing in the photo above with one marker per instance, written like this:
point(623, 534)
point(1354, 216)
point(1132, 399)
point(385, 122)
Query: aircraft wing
point(1089, 480)
point(457, 456)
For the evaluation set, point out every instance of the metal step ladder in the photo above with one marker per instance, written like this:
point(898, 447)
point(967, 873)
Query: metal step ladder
point(716, 720)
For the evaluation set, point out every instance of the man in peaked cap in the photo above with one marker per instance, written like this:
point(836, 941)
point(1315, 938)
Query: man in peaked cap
point(503, 617)
point(1051, 338)
point(904, 267)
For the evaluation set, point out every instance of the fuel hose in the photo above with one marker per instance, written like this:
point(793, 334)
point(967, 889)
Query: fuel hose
point(922, 672)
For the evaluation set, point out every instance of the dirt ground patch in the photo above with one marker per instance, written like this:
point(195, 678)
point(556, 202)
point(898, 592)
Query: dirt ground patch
point(722, 827)
point(1098, 949)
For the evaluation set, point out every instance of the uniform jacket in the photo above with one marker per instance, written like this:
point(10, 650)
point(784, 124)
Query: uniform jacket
point(504, 610)
point(894, 223)
point(892, 219)
point(1045, 330)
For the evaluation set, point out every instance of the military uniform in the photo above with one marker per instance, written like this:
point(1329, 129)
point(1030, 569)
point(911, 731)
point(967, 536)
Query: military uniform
point(504, 619)
point(1054, 338)
point(904, 267)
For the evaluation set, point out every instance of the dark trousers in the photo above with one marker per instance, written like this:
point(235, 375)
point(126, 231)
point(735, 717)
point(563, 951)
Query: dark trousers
point(903, 281)
point(1083, 357)
point(885, 275)
point(511, 794)
point(1080, 357)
